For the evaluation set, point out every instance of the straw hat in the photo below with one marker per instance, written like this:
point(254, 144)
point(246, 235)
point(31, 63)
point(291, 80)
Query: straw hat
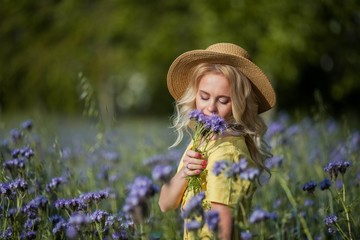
point(179, 73)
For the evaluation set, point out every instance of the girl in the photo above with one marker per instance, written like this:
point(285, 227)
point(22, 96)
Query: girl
point(220, 80)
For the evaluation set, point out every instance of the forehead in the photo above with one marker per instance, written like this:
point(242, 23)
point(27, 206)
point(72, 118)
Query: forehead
point(214, 82)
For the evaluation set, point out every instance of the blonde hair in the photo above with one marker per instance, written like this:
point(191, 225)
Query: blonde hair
point(245, 119)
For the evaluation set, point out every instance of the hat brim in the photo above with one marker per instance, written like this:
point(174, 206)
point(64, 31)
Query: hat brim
point(179, 73)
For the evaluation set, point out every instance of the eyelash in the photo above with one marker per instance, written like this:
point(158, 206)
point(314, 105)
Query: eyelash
point(206, 98)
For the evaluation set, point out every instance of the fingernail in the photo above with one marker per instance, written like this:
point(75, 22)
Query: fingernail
point(197, 171)
point(199, 155)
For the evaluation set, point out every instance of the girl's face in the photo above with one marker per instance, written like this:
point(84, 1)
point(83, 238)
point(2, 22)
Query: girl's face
point(213, 95)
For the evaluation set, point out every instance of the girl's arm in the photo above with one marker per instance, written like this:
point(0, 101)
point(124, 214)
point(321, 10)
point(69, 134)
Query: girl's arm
point(171, 193)
point(225, 220)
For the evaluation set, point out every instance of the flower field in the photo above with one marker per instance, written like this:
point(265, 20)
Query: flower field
point(84, 181)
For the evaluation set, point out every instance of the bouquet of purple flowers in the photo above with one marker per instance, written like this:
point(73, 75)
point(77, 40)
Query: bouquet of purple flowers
point(206, 127)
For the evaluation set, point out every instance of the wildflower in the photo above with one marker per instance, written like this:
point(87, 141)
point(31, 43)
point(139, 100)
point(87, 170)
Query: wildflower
point(59, 224)
point(219, 167)
point(193, 225)
point(56, 219)
point(119, 235)
point(194, 206)
point(29, 235)
point(330, 220)
point(212, 220)
point(274, 128)
point(5, 189)
point(7, 234)
point(110, 156)
point(325, 184)
point(245, 235)
point(95, 196)
point(19, 184)
point(71, 232)
point(32, 224)
point(308, 202)
point(250, 174)
point(32, 207)
point(16, 135)
point(309, 187)
point(78, 219)
point(237, 168)
point(98, 216)
point(333, 168)
point(54, 183)
point(27, 125)
point(163, 159)
point(139, 191)
point(162, 173)
point(76, 204)
point(274, 162)
point(27, 152)
point(14, 164)
point(259, 215)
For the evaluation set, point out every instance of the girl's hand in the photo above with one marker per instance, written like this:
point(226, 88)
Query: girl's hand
point(193, 163)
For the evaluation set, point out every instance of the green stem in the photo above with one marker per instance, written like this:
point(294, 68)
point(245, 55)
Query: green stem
point(343, 202)
point(292, 201)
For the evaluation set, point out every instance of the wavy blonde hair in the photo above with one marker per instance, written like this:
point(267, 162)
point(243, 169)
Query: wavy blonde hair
point(245, 119)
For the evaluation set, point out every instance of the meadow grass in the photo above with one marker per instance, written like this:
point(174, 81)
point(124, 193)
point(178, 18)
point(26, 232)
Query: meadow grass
point(66, 179)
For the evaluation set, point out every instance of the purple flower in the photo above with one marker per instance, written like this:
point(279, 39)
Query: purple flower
point(29, 235)
point(325, 184)
point(245, 235)
point(330, 220)
point(309, 187)
point(250, 174)
point(162, 173)
point(71, 232)
point(27, 152)
point(54, 183)
point(5, 189)
point(27, 125)
point(14, 164)
point(259, 215)
point(99, 216)
point(76, 204)
point(193, 225)
point(308, 202)
point(219, 167)
point(163, 159)
point(194, 205)
point(95, 196)
point(274, 128)
point(16, 135)
point(120, 235)
point(32, 207)
point(333, 168)
point(218, 124)
point(274, 162)
point(139, 191)
point(212, 220)
point(19, 185)
point(237, 168)
point(78, 219)
point(197, 115)
point(7, 234)
point(32, 224)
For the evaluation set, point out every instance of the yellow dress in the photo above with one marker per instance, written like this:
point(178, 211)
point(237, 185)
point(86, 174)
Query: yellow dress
point(235, 193)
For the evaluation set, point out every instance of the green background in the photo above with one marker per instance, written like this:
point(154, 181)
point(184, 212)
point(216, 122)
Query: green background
point(63, 56)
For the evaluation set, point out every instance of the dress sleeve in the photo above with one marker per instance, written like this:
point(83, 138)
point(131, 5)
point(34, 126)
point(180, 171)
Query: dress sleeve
point(223, 190)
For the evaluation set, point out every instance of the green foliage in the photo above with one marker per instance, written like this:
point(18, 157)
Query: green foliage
point(125, 47)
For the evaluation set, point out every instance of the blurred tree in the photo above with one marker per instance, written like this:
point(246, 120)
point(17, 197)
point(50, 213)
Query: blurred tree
point(124, 48)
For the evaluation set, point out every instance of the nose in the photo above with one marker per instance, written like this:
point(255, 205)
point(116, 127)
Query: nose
point(212, 107)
